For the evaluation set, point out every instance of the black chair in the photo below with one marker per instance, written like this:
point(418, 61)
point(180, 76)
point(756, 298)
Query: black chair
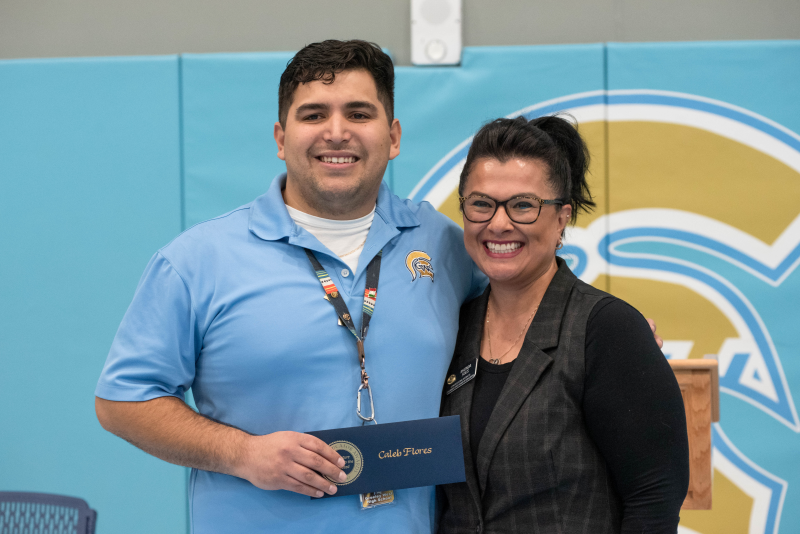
point(44, 513)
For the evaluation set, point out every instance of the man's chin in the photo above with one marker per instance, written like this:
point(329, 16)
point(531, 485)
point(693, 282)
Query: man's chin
point(341, 201)
point(339, 194)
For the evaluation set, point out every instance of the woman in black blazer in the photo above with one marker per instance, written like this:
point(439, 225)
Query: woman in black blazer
point(574, 422)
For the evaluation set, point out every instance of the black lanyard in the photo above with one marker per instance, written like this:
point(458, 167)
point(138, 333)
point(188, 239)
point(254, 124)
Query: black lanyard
point(370, 296)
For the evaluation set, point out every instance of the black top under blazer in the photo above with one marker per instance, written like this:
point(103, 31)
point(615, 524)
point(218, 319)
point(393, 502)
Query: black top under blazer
point(537, 469)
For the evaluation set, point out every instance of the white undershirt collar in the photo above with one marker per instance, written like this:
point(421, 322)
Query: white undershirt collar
point(344, 238)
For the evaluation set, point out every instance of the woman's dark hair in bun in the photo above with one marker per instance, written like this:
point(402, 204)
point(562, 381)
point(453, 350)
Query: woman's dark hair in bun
point(552, 140)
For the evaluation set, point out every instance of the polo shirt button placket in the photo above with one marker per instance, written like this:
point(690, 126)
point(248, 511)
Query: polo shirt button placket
point(345, 273)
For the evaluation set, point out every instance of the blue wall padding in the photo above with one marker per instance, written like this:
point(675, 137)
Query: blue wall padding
point(754, 75)
point(439, 107)
point(230, 104)
point(89, 190)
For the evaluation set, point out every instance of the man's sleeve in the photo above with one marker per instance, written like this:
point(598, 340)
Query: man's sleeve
point(479, 282)
point(153, 354)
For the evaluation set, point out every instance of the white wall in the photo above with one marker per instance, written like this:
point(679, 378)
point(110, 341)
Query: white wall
point(54, 28)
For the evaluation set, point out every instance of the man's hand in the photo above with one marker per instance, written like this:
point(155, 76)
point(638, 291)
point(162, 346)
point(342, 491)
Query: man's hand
point(168, 429)
point(660, 341)
point(291, 461)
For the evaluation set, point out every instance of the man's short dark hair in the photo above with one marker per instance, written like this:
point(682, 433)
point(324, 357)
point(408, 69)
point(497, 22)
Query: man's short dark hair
point(324, 60)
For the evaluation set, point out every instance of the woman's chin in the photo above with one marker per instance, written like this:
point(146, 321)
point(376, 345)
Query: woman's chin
point(516, 272)
point(501, 274)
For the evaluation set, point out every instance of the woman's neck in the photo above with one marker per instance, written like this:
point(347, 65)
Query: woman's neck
point(512, 299)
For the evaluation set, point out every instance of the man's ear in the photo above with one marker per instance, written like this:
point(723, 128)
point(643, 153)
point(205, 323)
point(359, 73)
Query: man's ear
point(279, 138)
point(395, 132)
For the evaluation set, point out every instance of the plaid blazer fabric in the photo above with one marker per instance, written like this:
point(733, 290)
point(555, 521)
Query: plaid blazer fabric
point(537, 469)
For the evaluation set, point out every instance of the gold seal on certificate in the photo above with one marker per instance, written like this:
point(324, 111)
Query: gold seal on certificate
point(353, 461)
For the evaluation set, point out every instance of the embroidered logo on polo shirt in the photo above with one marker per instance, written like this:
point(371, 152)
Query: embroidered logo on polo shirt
point(419, 265)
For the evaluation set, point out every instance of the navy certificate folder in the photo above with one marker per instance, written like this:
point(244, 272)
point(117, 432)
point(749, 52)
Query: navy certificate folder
point(394, 456)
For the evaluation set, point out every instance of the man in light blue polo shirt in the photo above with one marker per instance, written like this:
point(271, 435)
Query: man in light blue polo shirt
point(232, 309)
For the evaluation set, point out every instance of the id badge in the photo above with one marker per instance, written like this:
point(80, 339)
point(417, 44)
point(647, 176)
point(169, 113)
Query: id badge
point(375, 499)
point(460, 378)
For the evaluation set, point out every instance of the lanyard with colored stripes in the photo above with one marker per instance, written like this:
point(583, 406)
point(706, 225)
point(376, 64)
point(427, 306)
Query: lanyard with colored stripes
point(370, 295)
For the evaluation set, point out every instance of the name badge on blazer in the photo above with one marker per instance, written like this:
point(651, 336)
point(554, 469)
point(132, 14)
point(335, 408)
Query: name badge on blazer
point(461, 377)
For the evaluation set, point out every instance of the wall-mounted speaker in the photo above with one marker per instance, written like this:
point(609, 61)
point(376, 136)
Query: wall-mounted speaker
point(435, 32)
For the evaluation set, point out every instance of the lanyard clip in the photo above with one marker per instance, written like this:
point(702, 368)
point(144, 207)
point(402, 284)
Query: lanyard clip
point(371, 418)
point(361, 355)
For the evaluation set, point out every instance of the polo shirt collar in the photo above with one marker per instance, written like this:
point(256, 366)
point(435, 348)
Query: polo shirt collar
point(270, 220)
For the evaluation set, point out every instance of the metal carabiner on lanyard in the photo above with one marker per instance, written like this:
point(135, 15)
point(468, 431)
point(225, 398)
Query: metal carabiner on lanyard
point(371, 418)
point(364, 385)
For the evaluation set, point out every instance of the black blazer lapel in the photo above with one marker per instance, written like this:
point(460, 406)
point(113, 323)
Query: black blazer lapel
point(529, 366)
point(459, 402)
point(531, 362)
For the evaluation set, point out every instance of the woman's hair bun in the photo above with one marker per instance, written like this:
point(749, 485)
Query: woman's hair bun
point(565, 136)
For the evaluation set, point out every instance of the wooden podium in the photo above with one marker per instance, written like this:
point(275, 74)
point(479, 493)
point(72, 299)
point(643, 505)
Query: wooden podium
point(699, 383)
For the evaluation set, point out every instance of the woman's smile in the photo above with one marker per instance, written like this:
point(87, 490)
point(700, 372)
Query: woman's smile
point(503, 249)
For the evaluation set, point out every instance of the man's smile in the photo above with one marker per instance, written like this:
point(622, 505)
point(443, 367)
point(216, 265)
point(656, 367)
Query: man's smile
point(337, 159)
point(329, 159)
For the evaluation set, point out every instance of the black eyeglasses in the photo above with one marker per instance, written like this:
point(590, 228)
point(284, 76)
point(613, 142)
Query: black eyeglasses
point(523, 209)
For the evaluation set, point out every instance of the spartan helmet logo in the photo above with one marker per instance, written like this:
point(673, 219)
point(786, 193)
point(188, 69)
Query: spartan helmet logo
point(419, 264)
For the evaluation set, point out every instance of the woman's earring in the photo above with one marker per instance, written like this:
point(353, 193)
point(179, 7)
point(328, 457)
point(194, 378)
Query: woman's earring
point(560, 244)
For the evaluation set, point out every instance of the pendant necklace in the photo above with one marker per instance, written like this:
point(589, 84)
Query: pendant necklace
point(492, 359)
